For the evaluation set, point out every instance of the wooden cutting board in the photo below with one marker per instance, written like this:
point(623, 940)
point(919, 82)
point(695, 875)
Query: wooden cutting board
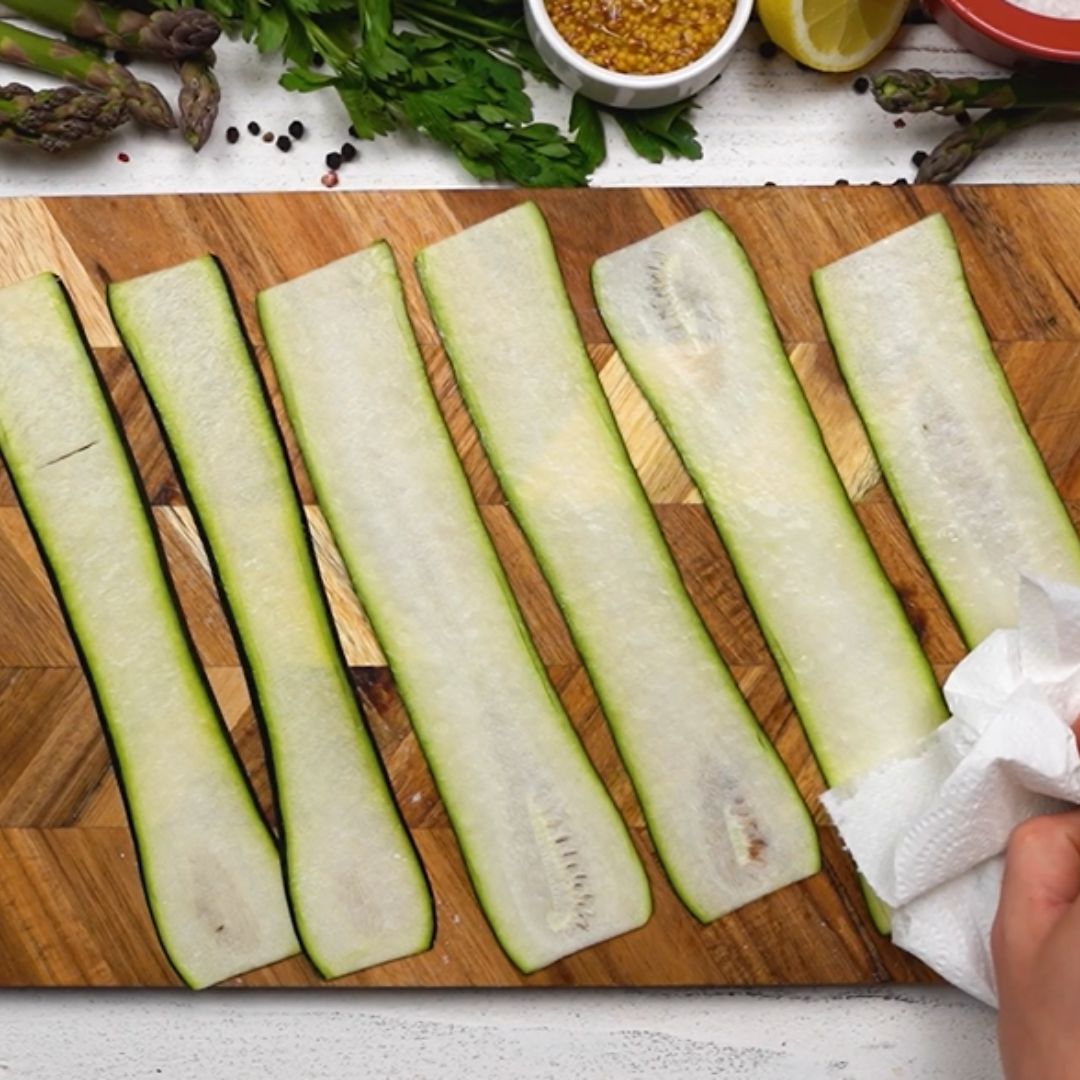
point(71, 907)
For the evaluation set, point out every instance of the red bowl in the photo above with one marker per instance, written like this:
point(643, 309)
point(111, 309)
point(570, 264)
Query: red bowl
point(1006, 34)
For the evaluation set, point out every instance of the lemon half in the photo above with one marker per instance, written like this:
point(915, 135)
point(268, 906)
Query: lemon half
point(832, 35)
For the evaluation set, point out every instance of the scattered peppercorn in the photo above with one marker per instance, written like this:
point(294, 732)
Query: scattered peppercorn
point(963, 118)
point(284, 143)
point(330, 179)
point(770, 183)
point(353, 132)
point(268, 136)
point(861, 85)
point(254, 128)
point(842, 182)
point(317, 59)
point(768, 49)
point(348, 152)
point(296, 129)
point(875, 183)
point(919, 157)
point(899, 122)
point(233, 135)
point(333, 161)
point(122, 57)
point(122, 157)
point(900, 181)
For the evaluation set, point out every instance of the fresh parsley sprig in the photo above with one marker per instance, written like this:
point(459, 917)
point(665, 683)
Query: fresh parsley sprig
point(451, 70)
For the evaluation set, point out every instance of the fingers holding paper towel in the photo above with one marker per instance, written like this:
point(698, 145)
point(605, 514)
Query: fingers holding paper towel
point(1036, 950)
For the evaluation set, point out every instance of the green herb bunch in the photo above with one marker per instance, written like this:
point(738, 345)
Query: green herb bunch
point(451, 70)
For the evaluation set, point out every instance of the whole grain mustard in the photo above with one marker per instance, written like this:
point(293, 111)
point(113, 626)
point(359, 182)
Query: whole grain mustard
point(641, 37)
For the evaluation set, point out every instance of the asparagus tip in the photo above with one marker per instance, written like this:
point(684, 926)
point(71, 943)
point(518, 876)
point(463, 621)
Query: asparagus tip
point(178, 35)
point(148, 106)
point(946, 162)
point(898, 91)
point(200, 98)
point(57, 119)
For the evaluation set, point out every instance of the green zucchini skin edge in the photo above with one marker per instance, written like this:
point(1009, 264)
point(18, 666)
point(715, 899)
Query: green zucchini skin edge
point(195, 674)
point(305, 552)
point(921, 665)
point(737, 552)
point(596, 393)
point(964, 619)
point(379, 619)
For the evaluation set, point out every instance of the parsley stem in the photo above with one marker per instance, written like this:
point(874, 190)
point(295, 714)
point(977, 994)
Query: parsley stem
point(321, 41)
point(451, 17)
point(429, 22)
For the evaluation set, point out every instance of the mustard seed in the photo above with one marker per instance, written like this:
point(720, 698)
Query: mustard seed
point(641, 37)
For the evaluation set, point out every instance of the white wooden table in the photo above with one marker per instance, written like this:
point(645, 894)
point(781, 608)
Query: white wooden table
point(765, 120)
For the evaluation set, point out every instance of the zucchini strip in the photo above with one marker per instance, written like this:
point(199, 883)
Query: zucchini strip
point(944, 424)
point(689, 319)
point(551, 861)
point(211, 871)
point(726, 818)
point(358, 893)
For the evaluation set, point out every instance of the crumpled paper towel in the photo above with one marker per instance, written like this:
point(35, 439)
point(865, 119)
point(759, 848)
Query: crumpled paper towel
point(928, 830)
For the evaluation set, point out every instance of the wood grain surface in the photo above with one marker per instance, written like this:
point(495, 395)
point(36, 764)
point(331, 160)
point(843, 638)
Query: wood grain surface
point(71, 907)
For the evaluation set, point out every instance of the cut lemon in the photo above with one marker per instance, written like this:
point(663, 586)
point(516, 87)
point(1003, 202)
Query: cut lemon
point(832, 35)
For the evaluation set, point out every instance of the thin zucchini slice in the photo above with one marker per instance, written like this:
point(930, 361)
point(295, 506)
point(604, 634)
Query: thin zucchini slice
point(726, 818)
point(944, 425)
point(358, 893)
point(691, 324)
point(551, 861)
point(211, 871)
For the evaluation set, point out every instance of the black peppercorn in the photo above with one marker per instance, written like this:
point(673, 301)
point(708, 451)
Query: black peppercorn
point(333, 161)
point(284, 143)
point(233, 135)
point(296, 129)
point(254, 128)
point(348, 152)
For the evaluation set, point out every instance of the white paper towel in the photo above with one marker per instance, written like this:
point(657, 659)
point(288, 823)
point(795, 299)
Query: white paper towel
point(928, 831)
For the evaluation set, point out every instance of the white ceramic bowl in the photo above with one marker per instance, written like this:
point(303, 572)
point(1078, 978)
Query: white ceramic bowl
point(631, 91)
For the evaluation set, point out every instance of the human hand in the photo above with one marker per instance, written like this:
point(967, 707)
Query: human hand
point(1036, 950)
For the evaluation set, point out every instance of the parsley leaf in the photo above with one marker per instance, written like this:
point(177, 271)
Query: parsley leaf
point(451, 70)
point(588, 127)
point(659, 133)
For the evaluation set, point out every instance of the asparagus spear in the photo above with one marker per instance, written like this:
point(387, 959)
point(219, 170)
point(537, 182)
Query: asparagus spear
point(956, 152)
point(171, 35)
point(918, 91)
point(200, 96)
point(26, 49)
point(56, 120)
